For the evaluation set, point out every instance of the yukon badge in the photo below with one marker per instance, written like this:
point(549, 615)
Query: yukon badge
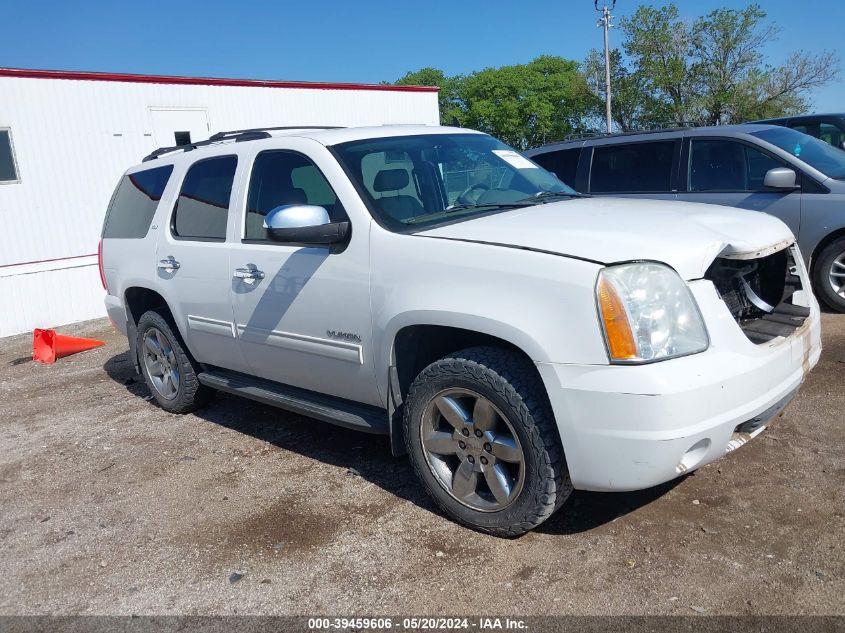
point(343, 336)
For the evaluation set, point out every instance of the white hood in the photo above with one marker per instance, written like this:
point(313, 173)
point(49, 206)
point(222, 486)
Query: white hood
point(685, 235)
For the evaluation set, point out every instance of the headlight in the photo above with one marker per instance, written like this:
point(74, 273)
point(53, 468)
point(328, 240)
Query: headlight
point(648, 314)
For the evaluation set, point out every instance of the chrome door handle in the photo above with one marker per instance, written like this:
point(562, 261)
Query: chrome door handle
point(249, 273)
point(169, 264)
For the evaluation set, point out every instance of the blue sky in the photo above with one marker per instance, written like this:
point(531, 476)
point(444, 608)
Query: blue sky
point(365, 41)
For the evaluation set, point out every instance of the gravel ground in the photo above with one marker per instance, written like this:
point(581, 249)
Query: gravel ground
point(112, 506)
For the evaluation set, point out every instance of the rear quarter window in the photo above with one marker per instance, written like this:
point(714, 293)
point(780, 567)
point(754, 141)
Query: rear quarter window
point(135, 202)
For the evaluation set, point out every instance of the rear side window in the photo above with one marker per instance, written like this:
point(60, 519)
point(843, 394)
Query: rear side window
point(631, 168)
point(564, 163)
point(135, 202)
point(202, 209)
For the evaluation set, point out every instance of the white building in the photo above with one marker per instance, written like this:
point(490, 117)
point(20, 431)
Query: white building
point(66, 137)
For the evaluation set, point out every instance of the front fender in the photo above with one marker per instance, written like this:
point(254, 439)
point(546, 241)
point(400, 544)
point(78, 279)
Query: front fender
point(543, 304)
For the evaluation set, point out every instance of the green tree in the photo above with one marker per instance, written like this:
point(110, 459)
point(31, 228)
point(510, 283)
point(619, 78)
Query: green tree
point(739, 85)
point(449, 98)
point(713, 70)
point(527, 105)
point(658, 44)
point(524, 105)
point(633, 105)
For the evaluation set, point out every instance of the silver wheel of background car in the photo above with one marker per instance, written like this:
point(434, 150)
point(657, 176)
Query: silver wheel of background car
point(472, 450)
point(161, 364)
point(837, 275)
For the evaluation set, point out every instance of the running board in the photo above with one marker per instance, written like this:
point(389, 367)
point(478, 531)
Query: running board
point(346, 413)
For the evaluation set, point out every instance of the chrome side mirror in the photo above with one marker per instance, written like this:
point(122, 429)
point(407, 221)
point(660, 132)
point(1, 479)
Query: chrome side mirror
point(304, 224)
point(780, 178)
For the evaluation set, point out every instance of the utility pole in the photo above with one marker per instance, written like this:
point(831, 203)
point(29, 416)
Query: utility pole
point(605, 22)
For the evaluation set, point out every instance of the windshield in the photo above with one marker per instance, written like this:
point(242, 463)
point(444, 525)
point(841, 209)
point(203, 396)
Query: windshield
point(827, 159)
point(421, 180)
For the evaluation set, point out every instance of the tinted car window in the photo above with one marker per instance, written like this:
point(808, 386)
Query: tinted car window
point(203, 206)
point(280, 178)
point(718, 165)
point(632, 167)
point(135, 202)
point(563, 163)
point(831, 134)
point(807, 128)
point(758, 163)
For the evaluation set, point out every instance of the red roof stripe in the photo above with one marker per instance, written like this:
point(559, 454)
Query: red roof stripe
point(202, 81)
point(44, 261)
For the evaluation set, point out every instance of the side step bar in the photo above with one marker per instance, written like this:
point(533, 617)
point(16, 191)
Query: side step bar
point(346, 413)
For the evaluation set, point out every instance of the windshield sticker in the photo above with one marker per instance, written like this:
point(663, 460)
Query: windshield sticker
point(514, 159)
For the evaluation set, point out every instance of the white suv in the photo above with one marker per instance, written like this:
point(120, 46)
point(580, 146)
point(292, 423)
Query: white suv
point(516, 339)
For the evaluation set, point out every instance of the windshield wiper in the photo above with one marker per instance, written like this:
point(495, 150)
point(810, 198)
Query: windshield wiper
point(538, 198)
point(516, 204)
point(547, 196)
point(484, 205)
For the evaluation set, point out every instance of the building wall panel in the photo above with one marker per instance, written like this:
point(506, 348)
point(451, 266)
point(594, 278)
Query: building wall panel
point(50, 298)
point(74, 138)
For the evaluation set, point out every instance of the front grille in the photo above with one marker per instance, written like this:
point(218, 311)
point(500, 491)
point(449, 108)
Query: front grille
point(759, 293)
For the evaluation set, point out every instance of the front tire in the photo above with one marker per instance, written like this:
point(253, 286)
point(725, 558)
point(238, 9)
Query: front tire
point(481, 437)
point(830, 275)
point(168, 369)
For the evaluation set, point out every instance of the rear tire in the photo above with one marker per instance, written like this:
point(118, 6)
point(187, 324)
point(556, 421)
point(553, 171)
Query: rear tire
point(830, 287)
point(168, 369)
point(493, 461)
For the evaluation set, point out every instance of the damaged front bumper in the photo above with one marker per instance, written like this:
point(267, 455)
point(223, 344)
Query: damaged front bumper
point(632, 427)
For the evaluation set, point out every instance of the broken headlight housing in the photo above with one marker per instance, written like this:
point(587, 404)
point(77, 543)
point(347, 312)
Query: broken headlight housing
point(648, 314)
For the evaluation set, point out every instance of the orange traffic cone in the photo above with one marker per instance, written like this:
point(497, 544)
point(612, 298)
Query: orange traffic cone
point(47, 346)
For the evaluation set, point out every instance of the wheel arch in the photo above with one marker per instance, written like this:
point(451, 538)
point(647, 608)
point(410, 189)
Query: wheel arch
point(822, 244)
point(415, 345)
point(821, 283)
point(140, 299)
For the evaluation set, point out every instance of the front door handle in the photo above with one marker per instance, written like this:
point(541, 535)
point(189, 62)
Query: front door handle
point(169, 264)
point(249, 273)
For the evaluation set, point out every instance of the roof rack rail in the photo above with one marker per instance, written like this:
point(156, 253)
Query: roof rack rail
point(649, 130)
point(253, 134)
point(223, 135)
point(217, 138)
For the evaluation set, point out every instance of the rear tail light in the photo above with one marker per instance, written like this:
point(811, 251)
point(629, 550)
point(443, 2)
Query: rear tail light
point(100, 264)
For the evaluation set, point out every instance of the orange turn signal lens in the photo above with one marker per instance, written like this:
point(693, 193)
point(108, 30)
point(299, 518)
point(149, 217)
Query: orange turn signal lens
point(620, 339)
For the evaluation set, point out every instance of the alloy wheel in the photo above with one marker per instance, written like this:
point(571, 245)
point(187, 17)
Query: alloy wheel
point(837, 275)
point(472, 450)
point(161, 364)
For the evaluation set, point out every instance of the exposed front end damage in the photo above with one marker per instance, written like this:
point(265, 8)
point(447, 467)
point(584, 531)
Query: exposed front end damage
point(631, 427)
point(765, 295)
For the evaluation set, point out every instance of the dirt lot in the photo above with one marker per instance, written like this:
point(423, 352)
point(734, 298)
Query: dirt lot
point(112, 506)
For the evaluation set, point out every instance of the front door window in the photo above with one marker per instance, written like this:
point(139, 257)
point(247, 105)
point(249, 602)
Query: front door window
point(719, 165)
point(282, 177)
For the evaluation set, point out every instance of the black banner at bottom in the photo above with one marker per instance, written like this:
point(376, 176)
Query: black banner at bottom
point(529, 624)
